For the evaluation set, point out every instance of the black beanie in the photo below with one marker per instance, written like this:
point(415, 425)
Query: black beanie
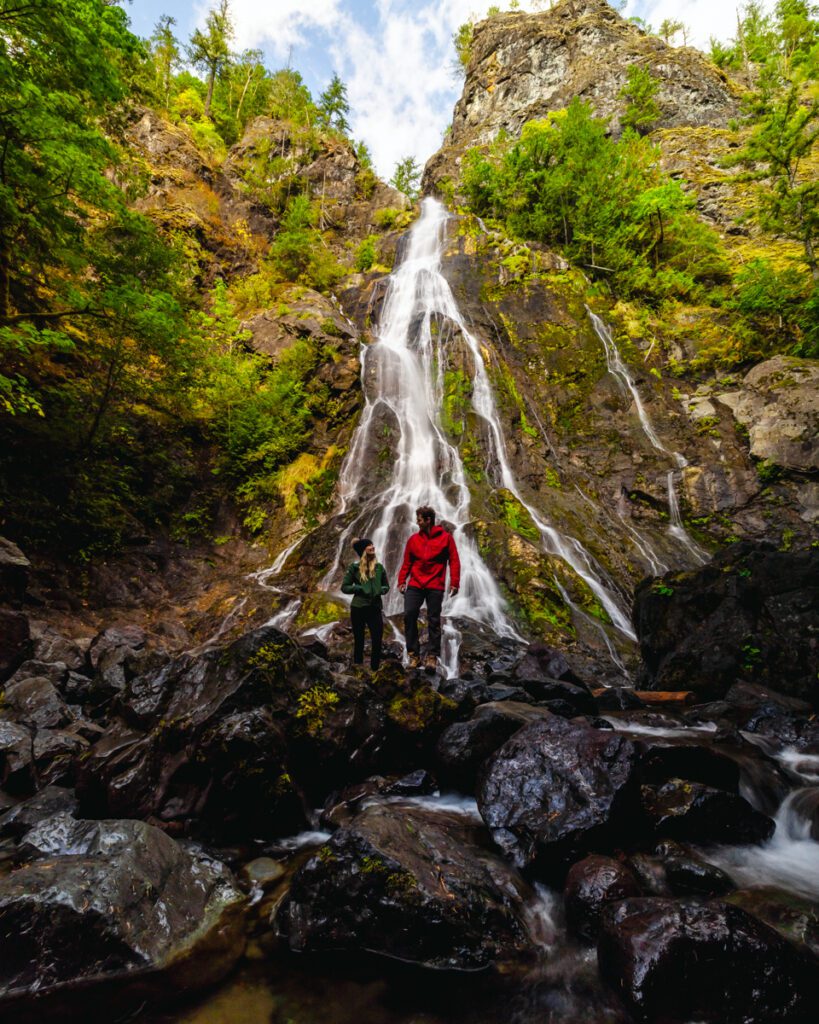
point(360, 546)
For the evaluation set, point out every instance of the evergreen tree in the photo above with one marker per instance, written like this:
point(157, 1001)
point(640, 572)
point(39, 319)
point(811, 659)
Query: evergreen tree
point(166, 58)
point(210, 49)
point(334, 107)
point(669, 27)
point(406, 177)
point(640, 91)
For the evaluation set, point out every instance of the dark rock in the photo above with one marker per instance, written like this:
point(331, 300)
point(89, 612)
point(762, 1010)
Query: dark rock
point(14, 569)
point(689, 875)
point(779, 720)
point(697, 813)
point(796, 918)
point(406, 882)
point(618, 698)
point(651, 874)
point(417, 783)
point(590, 885)
point(77, 688)
point(499, 691)
point(464, 746)
point(36, 702)
point(15, 643)
point(55, 672)
point(50, 646)
point(45, 804)
point(681, 961)
point(118, 901)
point(686, 759)
point(551, 690)
point(751, 614)
point(544, 664)
point(805, 804)
point(557, 790)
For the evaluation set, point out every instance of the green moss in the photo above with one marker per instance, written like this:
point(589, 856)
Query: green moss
point(513, 514)
point(319, 609)
point(455, 406)
point(269, 658)
point(373, 866)
point(419, 710)
point(313, 705)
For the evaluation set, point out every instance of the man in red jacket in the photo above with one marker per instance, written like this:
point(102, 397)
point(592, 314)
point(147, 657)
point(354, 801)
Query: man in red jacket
point(423, 579)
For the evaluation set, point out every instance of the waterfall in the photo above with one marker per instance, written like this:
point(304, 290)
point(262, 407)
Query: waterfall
point(618, 369)
point(403, 378)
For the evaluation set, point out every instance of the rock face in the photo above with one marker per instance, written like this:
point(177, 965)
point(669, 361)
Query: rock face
point(523, 66)
point(408, 883)
point(114, 901)
point(682, 961)
point(779, 405)
point(590, 885)
point(558, 789)
point(751, 614)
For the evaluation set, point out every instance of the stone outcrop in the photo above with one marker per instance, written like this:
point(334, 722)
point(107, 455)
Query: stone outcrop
point(523, 66)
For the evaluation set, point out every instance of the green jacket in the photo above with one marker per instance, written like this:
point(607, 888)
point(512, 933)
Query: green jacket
point(366, 594)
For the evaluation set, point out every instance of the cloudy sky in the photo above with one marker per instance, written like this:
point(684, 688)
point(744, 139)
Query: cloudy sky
point(396, 56)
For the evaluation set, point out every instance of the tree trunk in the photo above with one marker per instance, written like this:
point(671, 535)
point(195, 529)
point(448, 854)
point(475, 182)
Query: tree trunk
point(211, 81)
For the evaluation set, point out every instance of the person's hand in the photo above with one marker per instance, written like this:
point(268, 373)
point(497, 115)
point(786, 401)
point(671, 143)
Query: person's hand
point(402, 587)
point(453, 591)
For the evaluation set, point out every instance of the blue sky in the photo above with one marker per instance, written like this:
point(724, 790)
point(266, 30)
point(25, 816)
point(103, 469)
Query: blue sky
point(395, 56)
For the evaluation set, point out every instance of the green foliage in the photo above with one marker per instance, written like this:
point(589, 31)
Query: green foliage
point(313, 705)
point(298, 250)
point(778, 308)
point(640, 91)
point(366, 253)
point(606, 203)
point(290, 99)
point(406, 177)
point(210, 50)
point(462, 41)
point(333, 106)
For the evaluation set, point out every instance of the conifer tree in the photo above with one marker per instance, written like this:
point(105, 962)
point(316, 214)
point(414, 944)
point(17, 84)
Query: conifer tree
point(406, 177)
point(165, 51)
point(333, 105)
point(210, 49)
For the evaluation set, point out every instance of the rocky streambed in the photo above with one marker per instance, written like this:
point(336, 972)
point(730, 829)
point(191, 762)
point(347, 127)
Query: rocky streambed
point(253, 831)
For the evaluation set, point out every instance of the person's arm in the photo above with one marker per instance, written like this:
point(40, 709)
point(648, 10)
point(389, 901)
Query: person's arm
point(385, 583)
point(405, 568)
point(454, 567)
point(351, 584)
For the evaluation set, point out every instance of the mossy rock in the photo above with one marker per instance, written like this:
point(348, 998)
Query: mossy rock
point(319, 609)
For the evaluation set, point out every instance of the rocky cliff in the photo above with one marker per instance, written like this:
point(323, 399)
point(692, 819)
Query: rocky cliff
point(522, 66)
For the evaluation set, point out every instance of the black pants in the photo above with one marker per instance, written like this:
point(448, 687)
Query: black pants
point(414, 597)
point(361, 618)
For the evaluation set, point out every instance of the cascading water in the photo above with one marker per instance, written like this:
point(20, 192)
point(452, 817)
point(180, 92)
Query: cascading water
point(620, 372)
point(403, 374)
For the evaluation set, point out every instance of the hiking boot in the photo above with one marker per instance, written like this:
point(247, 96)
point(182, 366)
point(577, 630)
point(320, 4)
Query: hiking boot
point(431, 662)
point(414, 661)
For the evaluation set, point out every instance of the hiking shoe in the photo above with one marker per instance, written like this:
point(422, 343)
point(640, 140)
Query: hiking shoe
point(414, 661)
point(431, 662)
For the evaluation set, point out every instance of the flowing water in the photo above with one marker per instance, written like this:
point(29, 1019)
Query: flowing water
point(403, 375)
point(620, 372)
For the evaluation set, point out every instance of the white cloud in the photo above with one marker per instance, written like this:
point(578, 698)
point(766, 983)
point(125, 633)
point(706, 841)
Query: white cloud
point(397, 62)
point(278, 25)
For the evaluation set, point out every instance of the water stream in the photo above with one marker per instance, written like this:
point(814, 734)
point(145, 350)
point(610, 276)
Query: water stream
point(620, 372)
point(403, 375)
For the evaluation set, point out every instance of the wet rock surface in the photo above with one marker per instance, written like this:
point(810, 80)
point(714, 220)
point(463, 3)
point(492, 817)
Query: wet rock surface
point(558, 789)
point(590, 885)
point(681, 961)
point(410, 883)
point(693, 812)
point(750, 614)
point(107, 900)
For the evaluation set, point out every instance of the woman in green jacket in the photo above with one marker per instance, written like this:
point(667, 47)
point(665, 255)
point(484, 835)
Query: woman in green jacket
point(366, 580)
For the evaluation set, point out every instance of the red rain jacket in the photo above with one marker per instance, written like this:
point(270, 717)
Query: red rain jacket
point(425, 559)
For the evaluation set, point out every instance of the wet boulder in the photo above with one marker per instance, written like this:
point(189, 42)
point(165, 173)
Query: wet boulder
point(592, 883)
point(679, 961)
point(48, 802)
point(688, 874)
point(795, 917)
point(50, 646)
point(751, 614)
point(557, 790)
point(115, 906)
point(412, 883)
point(692, 812)
point(542, 663)
point(36, 702)
point(204, 739)
point(464, 746)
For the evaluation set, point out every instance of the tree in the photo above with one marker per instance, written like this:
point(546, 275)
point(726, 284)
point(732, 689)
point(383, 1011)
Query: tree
point(334, 107)
point(165, 52)
point(462, 41)
point(210, 50)
point(406, 177)
point(640, 91)
point(668, 29)
point(776, 153)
